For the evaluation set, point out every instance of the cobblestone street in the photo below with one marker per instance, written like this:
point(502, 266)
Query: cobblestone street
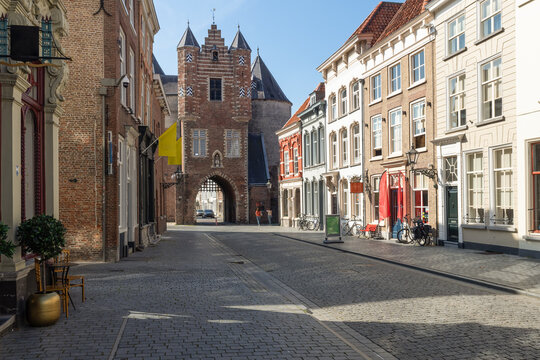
point(208, 292)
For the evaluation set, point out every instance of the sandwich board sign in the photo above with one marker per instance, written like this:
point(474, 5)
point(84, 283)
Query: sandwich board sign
point(332, 229)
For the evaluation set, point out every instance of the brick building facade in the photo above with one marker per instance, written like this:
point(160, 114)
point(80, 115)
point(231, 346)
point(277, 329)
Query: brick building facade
point(107, 197)
point(214, 109)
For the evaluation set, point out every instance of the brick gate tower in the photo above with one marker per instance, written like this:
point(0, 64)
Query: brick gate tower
point(214, 109)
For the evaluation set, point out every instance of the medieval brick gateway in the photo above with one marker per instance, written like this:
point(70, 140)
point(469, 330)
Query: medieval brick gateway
point(214, 109)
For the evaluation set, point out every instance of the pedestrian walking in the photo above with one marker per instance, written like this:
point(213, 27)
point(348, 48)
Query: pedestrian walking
point(258, 215)
point(269, 214)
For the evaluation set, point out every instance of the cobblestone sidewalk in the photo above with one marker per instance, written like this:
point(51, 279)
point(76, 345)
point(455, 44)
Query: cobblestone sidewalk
point(500, 270)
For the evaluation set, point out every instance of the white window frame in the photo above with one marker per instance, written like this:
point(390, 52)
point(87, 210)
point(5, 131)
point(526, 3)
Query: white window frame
point(123, 90)
point(334, 150)
point(199, 138)
point(295, 161)
point(422, 185)
point(356, 144)
point(322, 154)
point(460, 97)
point(474, 196)
point(345, 198)
point(421, 68)
point(458, 36)
point(490, 82)
point(355, 95)
point(376, 87)
point(344, 144)
point(333, 108)
point(132, 15)
point(132, 80)
point(394, 80)
point(489, 17)
point(376, 134)
point(343, 108)
point(415, 120)
point(312, 99)
point(315, 189)
point(307, 149)
point(286, 162)
point(376, 181)
point(314, 147)
point(394, 145)
point(232, 143)
point(494, 221)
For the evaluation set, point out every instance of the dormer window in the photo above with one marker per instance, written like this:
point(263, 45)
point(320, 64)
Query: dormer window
point(312, 99)
point(215, 56)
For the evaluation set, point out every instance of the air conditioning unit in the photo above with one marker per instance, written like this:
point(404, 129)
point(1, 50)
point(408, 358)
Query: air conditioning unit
point(109, 153)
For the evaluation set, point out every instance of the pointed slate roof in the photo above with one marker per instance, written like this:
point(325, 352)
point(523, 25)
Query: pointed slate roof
point(239, 42)
point(188, 39)
point(263, 84)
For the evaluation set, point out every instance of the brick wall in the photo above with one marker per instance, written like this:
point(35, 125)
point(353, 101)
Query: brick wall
point(81, 133)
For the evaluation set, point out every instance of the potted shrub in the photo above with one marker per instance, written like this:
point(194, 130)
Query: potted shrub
point(7, 248)
point(42, 235)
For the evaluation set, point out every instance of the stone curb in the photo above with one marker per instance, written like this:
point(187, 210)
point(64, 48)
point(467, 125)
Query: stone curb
point(483, 283)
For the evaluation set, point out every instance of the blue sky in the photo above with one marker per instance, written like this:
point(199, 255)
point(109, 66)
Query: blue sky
point(294, 36)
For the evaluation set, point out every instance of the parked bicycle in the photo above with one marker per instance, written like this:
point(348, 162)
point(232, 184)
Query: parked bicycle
point(351, 227)
point(420, 232)
point(306, 222)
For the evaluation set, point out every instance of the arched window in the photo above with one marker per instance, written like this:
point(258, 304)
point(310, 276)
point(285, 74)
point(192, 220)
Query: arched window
point(356, 143)
point(344, 148)
point(307, 147)
point(333, 105)
point(322, 154)
point(356, 95)
point(333, 150)
point(344, 198)
point(314, 147)
point(343, 107)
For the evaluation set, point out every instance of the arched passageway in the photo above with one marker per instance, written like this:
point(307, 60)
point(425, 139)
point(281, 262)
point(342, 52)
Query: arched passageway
point(218, 195)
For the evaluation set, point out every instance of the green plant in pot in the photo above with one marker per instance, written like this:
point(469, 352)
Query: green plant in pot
point(7, 248)
point(42, 235)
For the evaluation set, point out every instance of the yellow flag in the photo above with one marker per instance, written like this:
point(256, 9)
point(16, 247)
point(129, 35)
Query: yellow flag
point(167, 142)
point(176, 160)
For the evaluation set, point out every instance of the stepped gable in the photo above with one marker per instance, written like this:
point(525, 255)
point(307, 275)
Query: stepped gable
point(188, 39)
point(408, 11)
point(377, 21)
point(239, 42)
point(263, 84)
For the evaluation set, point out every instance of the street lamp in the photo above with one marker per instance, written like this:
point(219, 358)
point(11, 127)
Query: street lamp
point(177, 175)
point(412, 157)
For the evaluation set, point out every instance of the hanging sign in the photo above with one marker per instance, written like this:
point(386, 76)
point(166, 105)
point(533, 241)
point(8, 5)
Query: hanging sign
point(357, 187)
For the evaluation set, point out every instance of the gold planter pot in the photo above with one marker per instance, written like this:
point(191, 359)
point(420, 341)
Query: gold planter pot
point(43, 309)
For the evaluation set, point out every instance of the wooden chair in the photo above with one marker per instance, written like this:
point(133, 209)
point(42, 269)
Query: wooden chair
point(73, 280)
point(60, 288)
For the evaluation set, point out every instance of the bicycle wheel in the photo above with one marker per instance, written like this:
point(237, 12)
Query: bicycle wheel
point(404, 236)
point(345, 229)
point(311, 225)
point(422, 240)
